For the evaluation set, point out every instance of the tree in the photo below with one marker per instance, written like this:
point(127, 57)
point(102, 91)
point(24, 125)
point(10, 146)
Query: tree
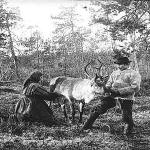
point(3, 35)
point(70, 39)
point(34, 46)
point(133, 24)
point(8, 19)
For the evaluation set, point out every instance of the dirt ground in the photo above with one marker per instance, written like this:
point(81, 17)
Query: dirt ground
point(69, 137)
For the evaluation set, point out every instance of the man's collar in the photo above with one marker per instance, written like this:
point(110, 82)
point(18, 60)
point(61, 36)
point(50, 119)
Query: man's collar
point(125, 69)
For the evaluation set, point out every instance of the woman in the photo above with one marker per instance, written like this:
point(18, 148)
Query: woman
point(32, 107)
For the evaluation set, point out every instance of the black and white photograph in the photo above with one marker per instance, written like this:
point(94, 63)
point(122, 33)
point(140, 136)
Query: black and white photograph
point(74, 74)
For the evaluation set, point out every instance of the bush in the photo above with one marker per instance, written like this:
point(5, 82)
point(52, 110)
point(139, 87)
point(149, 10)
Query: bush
point(145, 88)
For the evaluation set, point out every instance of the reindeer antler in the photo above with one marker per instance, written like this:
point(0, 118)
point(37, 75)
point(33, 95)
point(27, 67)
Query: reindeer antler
point(85, 68)
point(101, 64)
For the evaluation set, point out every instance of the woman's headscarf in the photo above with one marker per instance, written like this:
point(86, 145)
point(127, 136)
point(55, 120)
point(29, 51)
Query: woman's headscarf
point(34, 77)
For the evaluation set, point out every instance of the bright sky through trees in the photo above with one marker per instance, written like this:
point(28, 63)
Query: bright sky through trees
point(39, 12)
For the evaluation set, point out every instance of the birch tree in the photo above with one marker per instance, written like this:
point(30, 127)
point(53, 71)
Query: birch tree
point(8, 20)
point(70, 39)
point(132, 27)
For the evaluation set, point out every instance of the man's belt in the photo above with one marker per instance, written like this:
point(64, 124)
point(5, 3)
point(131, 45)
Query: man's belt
point(122, 98)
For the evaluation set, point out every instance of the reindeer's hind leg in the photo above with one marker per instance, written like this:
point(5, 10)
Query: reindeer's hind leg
point(72, 107)
point(63, 103)
point(81, 107)
point(63, 107)
point(73, 112)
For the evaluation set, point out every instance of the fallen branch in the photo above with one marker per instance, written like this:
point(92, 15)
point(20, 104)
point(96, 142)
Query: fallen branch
point(7, 82)
point(9, 90)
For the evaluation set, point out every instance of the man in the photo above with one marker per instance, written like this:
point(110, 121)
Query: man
point(32, 106)
point(122, 83)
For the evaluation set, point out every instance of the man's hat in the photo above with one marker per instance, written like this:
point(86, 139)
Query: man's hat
point(122, 60)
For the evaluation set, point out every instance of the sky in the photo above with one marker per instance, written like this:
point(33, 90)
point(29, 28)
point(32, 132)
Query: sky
point(39, 12)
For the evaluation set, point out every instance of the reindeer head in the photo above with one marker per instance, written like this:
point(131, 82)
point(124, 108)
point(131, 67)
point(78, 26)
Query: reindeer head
point(98, 81)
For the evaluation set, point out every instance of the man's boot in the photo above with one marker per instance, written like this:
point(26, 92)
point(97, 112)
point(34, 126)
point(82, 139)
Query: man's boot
point(88, 124)
point(128, 129)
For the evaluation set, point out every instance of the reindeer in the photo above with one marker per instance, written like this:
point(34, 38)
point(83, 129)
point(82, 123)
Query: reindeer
point(78, 90)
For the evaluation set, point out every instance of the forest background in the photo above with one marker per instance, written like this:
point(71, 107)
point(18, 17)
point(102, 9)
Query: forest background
point(115, 27)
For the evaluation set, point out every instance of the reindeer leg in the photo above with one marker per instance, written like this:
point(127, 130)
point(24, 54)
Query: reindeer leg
point(63, 107)
point(49, 103)
point(81, 107)
point(73, 112)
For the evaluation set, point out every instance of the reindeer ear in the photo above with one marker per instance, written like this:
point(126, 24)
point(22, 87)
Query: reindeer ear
point(93, 79)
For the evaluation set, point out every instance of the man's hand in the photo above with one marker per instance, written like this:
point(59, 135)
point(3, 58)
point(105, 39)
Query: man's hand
point(114, 92)
point(107, 89)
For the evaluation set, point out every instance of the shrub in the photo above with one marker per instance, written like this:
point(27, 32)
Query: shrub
point(145, 88)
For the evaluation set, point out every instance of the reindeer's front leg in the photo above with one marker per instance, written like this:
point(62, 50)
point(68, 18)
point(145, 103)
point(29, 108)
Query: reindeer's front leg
point(81, 107)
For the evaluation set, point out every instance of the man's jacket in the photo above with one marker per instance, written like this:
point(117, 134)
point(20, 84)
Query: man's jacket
point(127, 82)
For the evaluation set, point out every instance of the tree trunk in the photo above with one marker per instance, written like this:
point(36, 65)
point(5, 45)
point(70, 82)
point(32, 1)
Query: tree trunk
point(12, 49)
point(136, 67)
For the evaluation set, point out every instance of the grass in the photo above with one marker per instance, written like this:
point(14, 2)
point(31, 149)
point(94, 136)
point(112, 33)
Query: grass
point(39, 137)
